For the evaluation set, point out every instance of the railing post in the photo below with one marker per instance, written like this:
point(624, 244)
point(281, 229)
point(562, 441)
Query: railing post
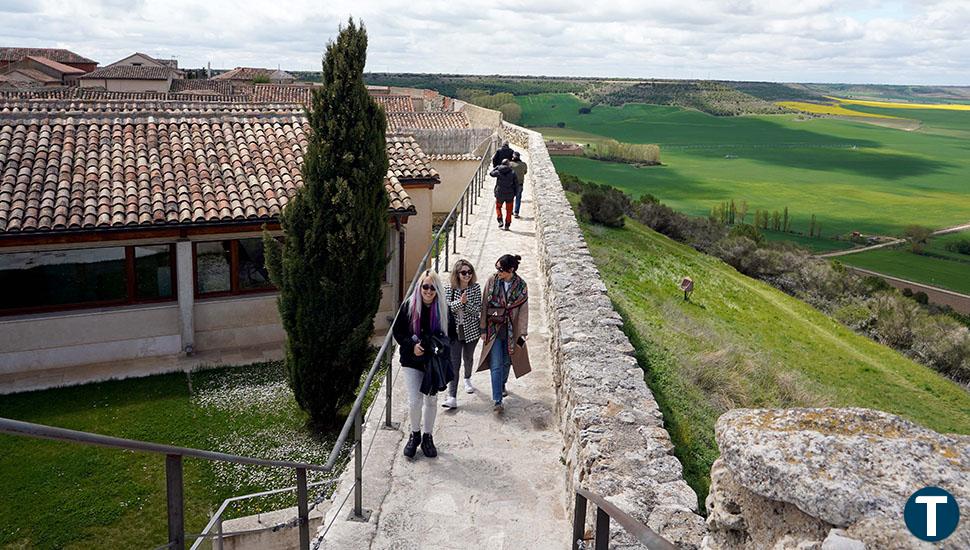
point(454, 240)
point(387, 385)
point(579, 521)
point(437, 253)
point(358, 468)
point(176, 517)
point(219, 533)
point(447, 248)
point(602, 529)
point(302, 508)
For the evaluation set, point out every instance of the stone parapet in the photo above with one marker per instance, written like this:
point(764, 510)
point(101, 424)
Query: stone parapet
point(614, 440)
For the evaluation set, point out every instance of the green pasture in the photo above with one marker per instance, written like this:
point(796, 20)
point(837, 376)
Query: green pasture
point(853, 176)
point(937, 266)
point(740, 343)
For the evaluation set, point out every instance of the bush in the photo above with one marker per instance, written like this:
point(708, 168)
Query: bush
point(511, 112)
point(560, 125)
point(604, 206)
point(749, 231)
point(585, 110)
point(960, 247)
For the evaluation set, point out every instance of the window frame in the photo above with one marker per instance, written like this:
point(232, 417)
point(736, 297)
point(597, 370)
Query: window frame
point(130, 284)
point(234, 289)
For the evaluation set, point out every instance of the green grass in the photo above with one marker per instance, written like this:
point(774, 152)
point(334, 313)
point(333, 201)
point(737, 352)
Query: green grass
point(852, 176)
point(741, 343)
point(63, 495)
point(937, 266)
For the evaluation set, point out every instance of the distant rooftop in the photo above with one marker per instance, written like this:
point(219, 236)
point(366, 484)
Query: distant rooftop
point(54, 54)
point(130, 72)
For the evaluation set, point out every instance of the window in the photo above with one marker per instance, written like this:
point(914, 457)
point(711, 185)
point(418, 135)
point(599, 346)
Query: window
point(230, 267)
point(53, 280)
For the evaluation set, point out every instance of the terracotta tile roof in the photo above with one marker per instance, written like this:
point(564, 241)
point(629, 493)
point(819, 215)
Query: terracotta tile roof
point(408, 163)
point(36, 75)
point(458, 156)
point(75, 92)
point(130, 72)
point(251, 73)
point(104, 170)
point(17, 108)
point(59, 67)
point(221, 87)
point(426, 121)
point(282, 93)
point(395, 103)
point(54, 54)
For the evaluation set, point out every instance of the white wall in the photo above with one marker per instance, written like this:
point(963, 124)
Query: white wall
point(455, 175)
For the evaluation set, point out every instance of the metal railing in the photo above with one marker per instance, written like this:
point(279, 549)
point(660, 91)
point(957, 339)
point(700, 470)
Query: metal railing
point(173, 469)
point(604, 511)
point(451, 229)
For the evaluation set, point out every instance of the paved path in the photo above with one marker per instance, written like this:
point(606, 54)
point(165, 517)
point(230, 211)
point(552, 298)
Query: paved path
point(498, 481)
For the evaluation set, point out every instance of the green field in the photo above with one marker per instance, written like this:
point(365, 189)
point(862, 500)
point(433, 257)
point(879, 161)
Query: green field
point(853, 176)
point(64, 495)
point(741, 343)
point(937, 266)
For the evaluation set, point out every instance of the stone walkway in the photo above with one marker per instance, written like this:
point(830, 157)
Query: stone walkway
point(498, 481)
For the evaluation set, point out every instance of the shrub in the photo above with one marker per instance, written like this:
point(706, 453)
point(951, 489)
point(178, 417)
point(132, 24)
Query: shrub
point(918, 236)
point(960, 247)
point(560, 125)
point(511, 112)
point(921, 298)
point(747, 230)
point(585, 110)
point(604, 205)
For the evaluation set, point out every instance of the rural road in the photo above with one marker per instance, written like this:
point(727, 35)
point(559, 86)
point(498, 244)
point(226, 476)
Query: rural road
point(944, 231)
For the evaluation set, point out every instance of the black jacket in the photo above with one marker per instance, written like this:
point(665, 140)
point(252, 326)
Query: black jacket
point(403, 336)
point(503, 153)
point(505, 183)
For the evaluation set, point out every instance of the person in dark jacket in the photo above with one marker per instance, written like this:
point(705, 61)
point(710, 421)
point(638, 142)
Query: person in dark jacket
point(520, 168)
point(504, 153)
point(423, 314)
point(505, 186)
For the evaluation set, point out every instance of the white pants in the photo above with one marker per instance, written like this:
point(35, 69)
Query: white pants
point(417, 400)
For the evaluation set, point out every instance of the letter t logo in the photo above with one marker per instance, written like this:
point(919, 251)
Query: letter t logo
point(931, 502)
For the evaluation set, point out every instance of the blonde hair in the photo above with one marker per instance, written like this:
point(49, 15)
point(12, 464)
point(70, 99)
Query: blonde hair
point(456, 279)
point(439, 313)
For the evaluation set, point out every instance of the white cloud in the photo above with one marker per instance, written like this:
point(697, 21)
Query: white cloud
point(919, 41)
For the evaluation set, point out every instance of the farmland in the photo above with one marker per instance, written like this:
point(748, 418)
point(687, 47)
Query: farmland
point(937, 266)
point(853, 176)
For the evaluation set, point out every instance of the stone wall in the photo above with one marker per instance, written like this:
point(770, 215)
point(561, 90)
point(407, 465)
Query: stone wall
point(614, 440)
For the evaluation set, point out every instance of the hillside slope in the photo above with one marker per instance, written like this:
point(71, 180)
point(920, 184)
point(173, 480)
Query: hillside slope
point(741, 343)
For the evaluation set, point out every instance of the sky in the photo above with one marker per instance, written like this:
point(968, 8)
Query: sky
point(905, 42)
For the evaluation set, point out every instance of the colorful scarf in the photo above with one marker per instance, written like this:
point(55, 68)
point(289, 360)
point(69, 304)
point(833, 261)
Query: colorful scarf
point(517, 295)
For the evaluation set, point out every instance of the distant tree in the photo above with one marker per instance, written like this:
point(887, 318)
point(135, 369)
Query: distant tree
point(261, 79)
point(811, 227)
point(746, 230)
point(743, 210)
point(560, 125)
point(787, 224)
point(734, 212)
point(331, 262)
point(511, 112)
point(776, 221)
point(918, 236)
point(585, 110)
point(757, 218)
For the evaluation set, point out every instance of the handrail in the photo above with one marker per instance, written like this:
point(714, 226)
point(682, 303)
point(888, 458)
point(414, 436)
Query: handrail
point(604, 511)
point(40, 431)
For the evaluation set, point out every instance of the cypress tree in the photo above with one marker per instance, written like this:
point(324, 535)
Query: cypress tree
point(331, 262)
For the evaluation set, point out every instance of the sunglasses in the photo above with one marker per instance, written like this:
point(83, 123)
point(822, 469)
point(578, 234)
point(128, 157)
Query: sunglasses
point(466, 272)
point(501, 269)
point(428, 287)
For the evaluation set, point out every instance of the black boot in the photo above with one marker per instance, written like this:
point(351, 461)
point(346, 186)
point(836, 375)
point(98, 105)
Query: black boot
point(412, 444)
point(427, 446)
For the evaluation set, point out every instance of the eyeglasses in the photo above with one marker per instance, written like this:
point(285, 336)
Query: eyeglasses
point(428, 287)
point(466, 273)
point(501, 269)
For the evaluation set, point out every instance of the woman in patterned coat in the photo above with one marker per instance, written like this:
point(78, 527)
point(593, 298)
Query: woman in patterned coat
point(465, 304)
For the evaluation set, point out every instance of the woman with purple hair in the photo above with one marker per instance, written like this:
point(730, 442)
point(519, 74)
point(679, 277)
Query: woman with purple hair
point(422, 318)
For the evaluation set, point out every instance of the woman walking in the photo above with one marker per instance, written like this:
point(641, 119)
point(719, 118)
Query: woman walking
point(465, 302)
point(422, 330)
point(505, 326)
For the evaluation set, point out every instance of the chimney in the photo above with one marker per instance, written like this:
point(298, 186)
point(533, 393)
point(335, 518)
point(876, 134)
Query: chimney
point(208, 70)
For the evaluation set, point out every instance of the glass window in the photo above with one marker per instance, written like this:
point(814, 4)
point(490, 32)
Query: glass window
point(153, 272)
point(213, 266)
point(252, 271)
point(62, 277)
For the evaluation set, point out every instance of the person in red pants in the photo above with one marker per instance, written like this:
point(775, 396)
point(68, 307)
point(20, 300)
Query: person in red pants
point(506, 184)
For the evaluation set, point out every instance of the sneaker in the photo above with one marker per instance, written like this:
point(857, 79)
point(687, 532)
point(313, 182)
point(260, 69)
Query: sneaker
point(506, 226)
point(516, 215)
point(498, 408)
point(505, 392)
point(412, 444)
point(427, 446)
point(468, 386)
point(450, 403)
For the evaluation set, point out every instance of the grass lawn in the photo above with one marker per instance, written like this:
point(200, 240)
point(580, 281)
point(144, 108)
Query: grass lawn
point(937, 266)
point(853, 176)
point(63, 495)
point(741, 343)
